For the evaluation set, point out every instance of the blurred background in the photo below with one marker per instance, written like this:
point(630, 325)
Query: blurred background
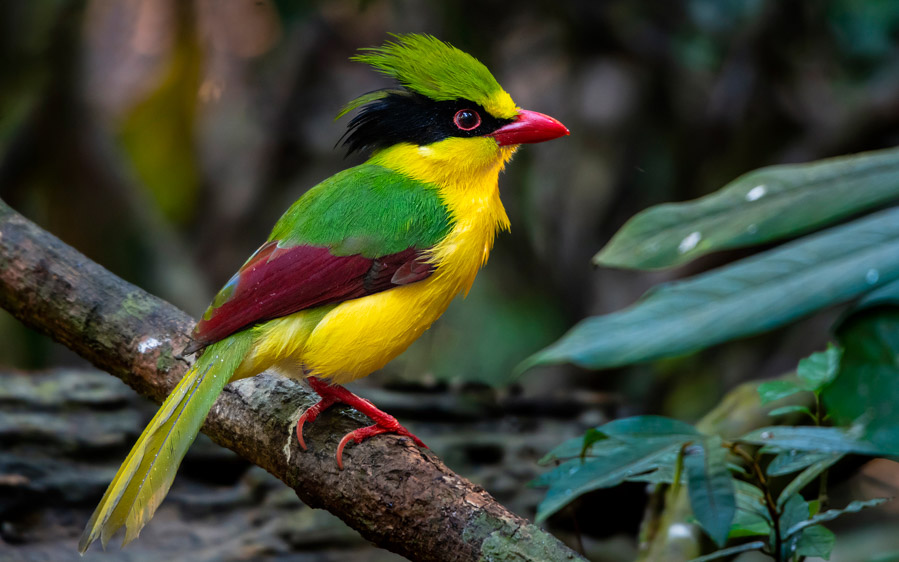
point(164, 138)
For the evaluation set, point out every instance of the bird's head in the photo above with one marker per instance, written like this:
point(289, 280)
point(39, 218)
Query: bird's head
point(449, 106)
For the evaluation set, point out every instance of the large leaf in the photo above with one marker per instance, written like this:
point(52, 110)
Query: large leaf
point(756, 294)
point(710, 487)
point(761, 206)
point(868, 381)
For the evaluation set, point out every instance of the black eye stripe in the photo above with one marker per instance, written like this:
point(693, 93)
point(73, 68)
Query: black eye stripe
point(407, 117)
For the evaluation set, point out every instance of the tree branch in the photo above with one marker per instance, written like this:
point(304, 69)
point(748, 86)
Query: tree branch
point(400, 497)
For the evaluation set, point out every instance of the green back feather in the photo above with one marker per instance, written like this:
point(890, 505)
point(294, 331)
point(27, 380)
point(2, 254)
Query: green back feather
point(366, 210)
point(431, 67)
point(147, 473)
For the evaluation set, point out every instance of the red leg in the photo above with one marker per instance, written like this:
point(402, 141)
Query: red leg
point(330, 394)
point(326, 401)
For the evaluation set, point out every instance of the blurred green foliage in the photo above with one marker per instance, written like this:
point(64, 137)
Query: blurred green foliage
point(157, 134)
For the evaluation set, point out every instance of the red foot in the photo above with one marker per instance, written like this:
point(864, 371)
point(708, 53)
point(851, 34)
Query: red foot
point(363, 433)
point(312, 413)
point(331, 394)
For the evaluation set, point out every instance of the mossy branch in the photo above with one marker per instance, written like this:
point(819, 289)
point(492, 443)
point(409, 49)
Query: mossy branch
point(400, 497)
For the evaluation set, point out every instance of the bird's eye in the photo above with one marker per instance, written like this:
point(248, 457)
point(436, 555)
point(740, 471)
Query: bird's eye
point(467, 119)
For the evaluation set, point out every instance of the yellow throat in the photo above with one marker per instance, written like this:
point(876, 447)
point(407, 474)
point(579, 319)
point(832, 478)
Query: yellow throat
point(466, 173)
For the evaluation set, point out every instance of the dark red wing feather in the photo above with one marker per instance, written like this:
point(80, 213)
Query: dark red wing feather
point(280, 281)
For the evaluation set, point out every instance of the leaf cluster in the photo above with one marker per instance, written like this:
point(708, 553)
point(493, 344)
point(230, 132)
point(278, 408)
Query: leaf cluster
point(752, 486)
point(730, 501)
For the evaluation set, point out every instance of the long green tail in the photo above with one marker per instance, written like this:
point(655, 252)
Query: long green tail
point(145, 477)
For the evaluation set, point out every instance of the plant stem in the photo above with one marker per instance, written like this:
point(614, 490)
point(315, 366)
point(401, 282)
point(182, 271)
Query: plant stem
point(822, 481)
point(770, 502)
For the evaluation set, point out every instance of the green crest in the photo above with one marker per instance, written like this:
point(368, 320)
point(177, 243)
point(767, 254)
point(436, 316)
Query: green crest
point(433, 68)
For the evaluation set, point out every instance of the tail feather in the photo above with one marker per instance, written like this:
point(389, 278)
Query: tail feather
point(149, 469)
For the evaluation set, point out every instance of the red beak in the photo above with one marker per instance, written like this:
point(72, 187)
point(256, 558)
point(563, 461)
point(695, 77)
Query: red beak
point(529, 127)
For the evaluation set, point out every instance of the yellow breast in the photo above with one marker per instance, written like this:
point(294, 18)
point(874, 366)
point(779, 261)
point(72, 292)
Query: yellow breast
point(360, 336)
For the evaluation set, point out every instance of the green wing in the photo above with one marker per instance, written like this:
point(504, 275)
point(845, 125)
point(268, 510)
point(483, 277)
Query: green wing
point(367, 210)
point(360, 232)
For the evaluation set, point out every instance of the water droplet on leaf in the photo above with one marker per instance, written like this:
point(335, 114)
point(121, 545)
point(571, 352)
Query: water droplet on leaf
point(756, 192)
point(689, 242)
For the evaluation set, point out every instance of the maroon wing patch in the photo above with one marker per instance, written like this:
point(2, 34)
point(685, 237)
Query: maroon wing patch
point(280, 281)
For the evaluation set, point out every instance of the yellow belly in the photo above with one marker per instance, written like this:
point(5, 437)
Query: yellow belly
point(362, 335)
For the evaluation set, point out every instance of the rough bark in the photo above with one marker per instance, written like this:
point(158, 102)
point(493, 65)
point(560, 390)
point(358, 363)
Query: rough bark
point(398, 496)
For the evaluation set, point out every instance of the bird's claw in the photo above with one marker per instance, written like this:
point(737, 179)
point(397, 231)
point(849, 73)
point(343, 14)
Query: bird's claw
point(310, 414)
point(384, 422)
point(363, 433)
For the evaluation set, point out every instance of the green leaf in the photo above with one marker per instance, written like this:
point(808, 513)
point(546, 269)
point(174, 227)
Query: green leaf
point(663, 474)
point(806, 477)
point(725, 552)
point(638, 427)
point(566, 450)
point(868, 382)
point(761, 206)
point(818, 439)
point(819, 369)
point(666, 470)
point(751, 500)
point(710, 488)
point(633, 447)
point(749, 525)
point(770, 391)
point(576, 477)
point(794, 511)
point(788, 462)
point(816, 541)
point(832, 514)
point(633, 428)
point(783, 410)
point(814, 506)
point(752, 517)
point(751, 296)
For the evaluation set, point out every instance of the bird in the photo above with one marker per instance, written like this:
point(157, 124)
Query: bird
point(357, 268)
